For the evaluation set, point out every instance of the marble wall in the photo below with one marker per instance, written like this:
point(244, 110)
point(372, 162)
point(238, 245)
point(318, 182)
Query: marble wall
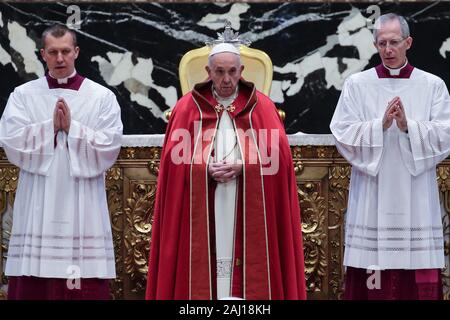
point(135, 49)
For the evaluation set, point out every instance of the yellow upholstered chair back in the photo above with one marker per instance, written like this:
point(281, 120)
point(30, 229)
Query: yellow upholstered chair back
point(258, 68)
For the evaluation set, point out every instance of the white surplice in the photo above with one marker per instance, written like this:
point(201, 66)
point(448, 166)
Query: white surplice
point(61, 226)
point(225, 149)
point(393, 219)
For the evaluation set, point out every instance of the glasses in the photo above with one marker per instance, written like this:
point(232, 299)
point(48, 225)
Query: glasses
point(394, 43)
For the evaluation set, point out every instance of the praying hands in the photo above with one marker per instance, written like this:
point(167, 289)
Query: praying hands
point(395, 111)
point(223, 172)
point(61, 116)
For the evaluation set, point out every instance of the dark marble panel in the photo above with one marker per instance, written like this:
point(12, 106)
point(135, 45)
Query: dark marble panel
point(135, 49)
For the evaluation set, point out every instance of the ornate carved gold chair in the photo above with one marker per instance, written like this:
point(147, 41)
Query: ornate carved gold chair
point(258, 69)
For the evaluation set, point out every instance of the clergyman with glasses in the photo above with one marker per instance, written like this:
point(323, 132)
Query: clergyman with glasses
point(392, 124)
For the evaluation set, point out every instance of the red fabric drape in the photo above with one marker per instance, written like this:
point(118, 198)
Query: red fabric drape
point(268, 255)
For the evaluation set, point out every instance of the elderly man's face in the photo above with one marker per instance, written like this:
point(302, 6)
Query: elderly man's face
point(60, 55)
point(391, 45)
point(225, 72)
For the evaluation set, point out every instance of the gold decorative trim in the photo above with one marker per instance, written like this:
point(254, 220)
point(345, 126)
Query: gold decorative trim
point(137, 235)
point(338, 185)
point(315, 237)
point(443, 179)
point(323, 178)
point(8, 178)
point(114, 193)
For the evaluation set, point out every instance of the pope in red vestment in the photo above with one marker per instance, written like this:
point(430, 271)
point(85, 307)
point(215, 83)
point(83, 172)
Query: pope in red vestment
point(267, 260)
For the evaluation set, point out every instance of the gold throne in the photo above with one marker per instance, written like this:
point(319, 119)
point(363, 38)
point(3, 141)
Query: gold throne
point(258, 69)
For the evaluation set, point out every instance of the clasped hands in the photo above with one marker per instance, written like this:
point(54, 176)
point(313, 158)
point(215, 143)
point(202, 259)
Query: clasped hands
point(223, 172)
point(61, 116)
point(395, 111)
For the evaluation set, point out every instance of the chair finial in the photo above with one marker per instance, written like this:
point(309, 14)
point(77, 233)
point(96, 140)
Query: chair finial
point(228, 36)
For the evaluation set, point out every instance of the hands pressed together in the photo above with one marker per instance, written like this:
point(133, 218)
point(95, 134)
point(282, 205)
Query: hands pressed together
point(223, 172)
point(61, 116)
point(395, 111)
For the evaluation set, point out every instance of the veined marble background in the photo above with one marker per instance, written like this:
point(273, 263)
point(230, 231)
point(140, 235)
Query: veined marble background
point(135, 48)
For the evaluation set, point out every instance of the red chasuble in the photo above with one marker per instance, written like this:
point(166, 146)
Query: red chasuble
point(267, 246)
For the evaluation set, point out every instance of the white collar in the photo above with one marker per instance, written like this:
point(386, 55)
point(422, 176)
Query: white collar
point(64, 80)
point(225, 101)
point(395, 72)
